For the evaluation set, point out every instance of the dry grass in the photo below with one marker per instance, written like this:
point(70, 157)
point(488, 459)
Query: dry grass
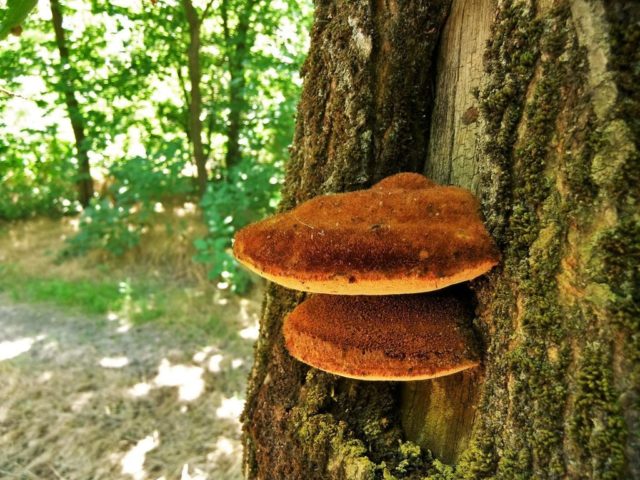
point(63, 415)
point(165, 250)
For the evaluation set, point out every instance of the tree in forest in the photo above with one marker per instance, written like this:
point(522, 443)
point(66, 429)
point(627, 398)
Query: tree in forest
point(194, 99)
point(237, 40)
point(238, 43)
point(84, 180)
point(533, 106)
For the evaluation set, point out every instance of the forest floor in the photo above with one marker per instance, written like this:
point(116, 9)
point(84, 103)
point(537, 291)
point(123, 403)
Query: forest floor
point(103, 381)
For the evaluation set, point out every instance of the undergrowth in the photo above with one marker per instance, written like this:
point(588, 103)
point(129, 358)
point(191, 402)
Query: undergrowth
point(136, 301)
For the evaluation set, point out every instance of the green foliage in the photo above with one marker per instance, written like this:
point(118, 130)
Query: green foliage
point(133, 98)
point(134, 302)
point(34, 179)
point(248, 193)
point(116, 222)
point(90, 297)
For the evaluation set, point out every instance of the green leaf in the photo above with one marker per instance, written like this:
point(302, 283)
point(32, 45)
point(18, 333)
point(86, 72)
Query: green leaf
point(15, 14)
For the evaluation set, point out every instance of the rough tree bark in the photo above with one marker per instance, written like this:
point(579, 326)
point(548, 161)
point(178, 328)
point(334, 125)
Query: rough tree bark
point(541, 121)
point(84, 181)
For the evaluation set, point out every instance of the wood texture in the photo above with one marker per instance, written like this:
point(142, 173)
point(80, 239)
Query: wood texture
point(439, 415)
point(455, 141)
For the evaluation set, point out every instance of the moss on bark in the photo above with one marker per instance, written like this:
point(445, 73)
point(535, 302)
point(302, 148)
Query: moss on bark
point(560, 171)
point(552, 405)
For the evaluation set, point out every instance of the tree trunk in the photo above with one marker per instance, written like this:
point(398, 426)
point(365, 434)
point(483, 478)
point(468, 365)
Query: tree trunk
point(194, 122)
point(84, 180)
point(541, 123)
point(237, 50)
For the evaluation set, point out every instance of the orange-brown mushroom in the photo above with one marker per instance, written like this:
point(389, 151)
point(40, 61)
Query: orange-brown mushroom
point(402, 337)
point(403, 235)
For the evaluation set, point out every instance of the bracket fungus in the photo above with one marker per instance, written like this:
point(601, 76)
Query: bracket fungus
point(366, 251)
point(404, 235)
point(403, 337)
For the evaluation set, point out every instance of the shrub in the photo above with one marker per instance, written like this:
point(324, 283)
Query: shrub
point(115, 222)
point(249, 192)
point(35, 180)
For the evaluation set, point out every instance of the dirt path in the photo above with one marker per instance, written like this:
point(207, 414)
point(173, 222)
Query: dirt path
point(92, 398)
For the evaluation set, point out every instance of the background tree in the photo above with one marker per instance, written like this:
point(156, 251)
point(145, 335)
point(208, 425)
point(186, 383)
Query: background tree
point(535, 108)
point(238, 43)
point(194, 99)
point(84, 179)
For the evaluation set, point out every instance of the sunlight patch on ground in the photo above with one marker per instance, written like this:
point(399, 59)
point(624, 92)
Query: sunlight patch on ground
point(81, 400)
point(114, 362)
point(141, 389)
point(133, 461)
point(245, 311)
point(124, 325)
point(4, 413)
point(224, 447)
point(52, 345)
point(196, 475)
point(249, 318)
point(250, 333)
point(214, 363)
point(188, 379)
point(237, 363)
point(123, 328)
point(75, 225)
point(230, 408)
point(201, 355)
point(187, 208)
point(12, 348)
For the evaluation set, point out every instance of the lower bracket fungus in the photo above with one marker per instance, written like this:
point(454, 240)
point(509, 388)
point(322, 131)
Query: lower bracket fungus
point(401, 337)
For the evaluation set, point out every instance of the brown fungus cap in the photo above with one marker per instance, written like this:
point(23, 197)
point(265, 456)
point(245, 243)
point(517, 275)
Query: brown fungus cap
point(401, 337)
point(403, 235)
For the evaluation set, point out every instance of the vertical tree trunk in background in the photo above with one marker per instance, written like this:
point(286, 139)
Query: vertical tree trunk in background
point(541, 122)
point(237, 49)
point(84, 180)
point(195, 97)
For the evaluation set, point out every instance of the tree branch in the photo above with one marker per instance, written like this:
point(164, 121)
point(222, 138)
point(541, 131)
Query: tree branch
point(9, 93)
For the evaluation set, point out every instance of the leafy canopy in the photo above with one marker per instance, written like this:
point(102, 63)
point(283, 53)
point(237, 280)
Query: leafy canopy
point(127, 68)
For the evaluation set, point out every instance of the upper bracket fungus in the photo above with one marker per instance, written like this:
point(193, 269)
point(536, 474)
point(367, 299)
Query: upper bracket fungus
point(403, 235)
